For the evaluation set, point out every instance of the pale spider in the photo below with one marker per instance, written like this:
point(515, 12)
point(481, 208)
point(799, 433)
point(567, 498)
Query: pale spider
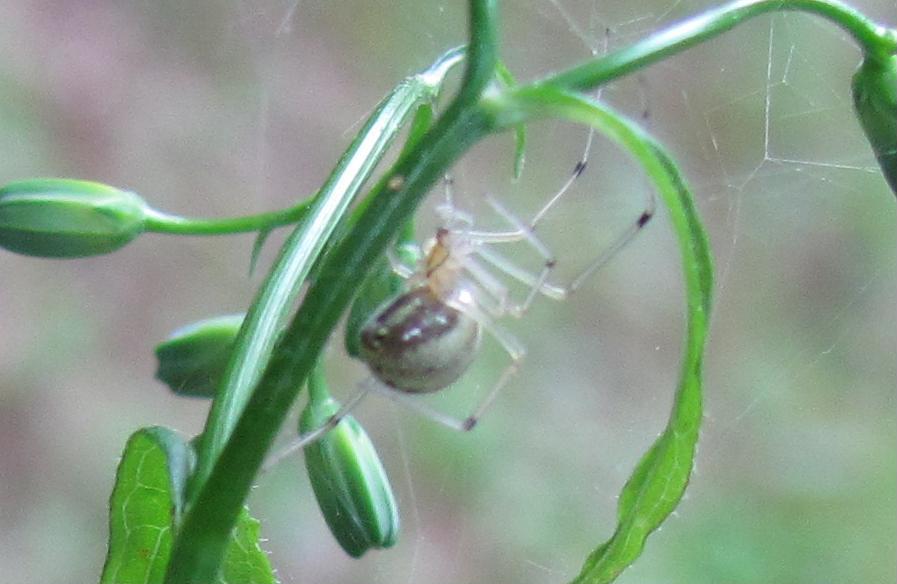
point(424, 340)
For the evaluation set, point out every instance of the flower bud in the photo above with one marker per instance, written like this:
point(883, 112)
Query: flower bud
point(65, 218)
point(193, 359)
point(875, 100)
point(347, 477)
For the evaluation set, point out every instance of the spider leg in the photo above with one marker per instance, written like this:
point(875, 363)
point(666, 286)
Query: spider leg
point(523, 230)
point(535, 282)
point(483, 283)
point(621, 241)
point(529, 235)
point(452, 218)
point(515, 350)
point(538, 283)
point(411, 402)
point(578, 169)
point(313, 436)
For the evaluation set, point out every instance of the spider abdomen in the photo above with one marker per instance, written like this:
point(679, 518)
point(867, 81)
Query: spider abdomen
point(419, 344)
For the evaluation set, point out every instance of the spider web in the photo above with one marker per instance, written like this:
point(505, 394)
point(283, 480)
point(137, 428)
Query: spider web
point(761, 121)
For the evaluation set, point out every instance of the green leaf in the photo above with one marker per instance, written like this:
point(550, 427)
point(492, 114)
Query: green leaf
point(146, 502)
point(507, 79)
point(244, 561)
point(652, 492)
point(257, 245)
point(145, 510)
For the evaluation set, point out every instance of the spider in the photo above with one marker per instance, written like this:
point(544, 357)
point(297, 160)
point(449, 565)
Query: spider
point(424, 340)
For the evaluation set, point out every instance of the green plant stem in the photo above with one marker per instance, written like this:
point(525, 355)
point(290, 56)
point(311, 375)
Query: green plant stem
point(514, 107)
point(874, 39)
point(269, 311)
point(160, 222)
point(201, 540)
point(659, 481)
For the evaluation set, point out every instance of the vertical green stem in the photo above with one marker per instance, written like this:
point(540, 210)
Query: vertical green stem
point(277, 294)
point(201, 540)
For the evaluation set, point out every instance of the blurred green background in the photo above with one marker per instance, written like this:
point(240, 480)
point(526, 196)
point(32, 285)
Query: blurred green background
point(213, 109)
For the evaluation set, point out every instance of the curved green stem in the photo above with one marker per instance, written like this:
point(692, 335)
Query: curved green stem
point(482, 55)
point(874, 39)
point(242, 431)
point(656, 486)
point(160, 222)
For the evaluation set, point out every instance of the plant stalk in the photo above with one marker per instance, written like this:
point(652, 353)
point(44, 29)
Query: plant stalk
point(874, 39)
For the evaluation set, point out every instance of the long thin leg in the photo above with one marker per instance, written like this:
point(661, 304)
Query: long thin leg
point(451, 216)
point(559, 291)
point(510, 344)
point(578, 169)
point(515, 351)
point(522, 230)
point(540, 285)
point(319, 432)
point(619, 243)
point(466, 424)
point(412, 402)
point(536, 243)
point(629, 234)
point(506, 266)
point(477, 242)
point(485, 283)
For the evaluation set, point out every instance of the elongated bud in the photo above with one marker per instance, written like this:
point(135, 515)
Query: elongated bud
point(875, 100)
point(193, 359)
point(348, 479)
point(65, 218)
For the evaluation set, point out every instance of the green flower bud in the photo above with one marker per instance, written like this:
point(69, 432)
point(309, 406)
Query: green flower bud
point(193, 359)
point(875, 100)
point(381, 285)
point(348, 479)
point(65, 218)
